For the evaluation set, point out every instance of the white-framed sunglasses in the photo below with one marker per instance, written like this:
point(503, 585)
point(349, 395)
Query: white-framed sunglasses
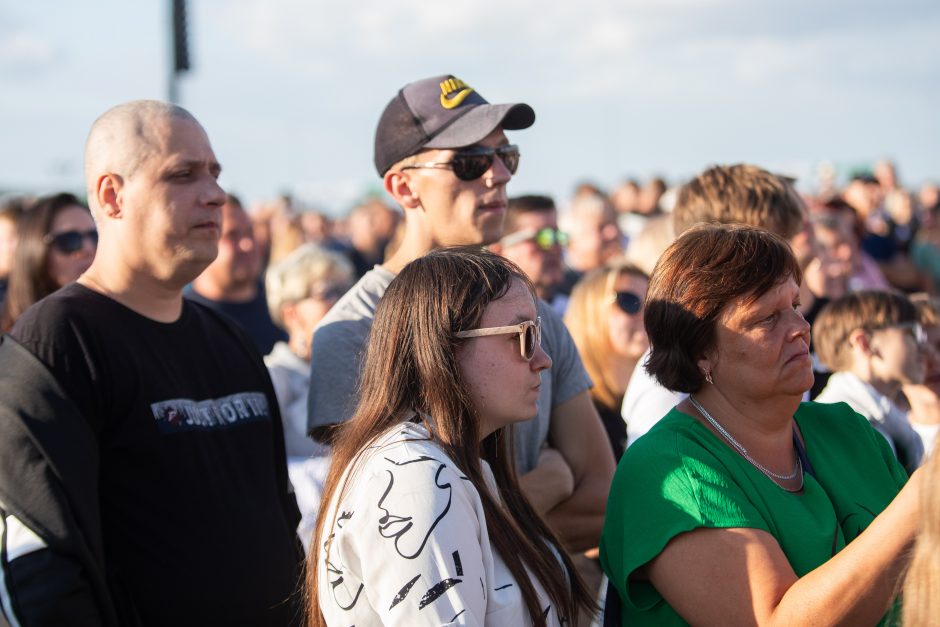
point(530, 335)
point(917, 331)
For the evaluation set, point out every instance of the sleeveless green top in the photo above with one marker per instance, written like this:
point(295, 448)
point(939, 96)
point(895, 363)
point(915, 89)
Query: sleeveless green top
point(680, 476)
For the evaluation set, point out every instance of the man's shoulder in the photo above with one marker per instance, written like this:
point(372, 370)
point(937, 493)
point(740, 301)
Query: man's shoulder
point(73, 305)
point(360, 301)
point(351, 316)
point(554, 331)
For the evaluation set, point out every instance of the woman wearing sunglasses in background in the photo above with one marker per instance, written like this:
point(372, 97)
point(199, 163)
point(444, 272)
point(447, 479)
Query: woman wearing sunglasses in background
point(423, 520)
point(57, 240)
point(605, 318)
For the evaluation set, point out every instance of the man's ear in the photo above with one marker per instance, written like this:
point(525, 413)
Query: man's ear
point(495, 247)
point(108, 194)
point(400, 186)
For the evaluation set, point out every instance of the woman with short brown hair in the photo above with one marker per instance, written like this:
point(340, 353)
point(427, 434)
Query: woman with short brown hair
point(744, 505)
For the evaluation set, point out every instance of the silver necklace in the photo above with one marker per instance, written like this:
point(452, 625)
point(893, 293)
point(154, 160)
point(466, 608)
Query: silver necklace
point(797, 467)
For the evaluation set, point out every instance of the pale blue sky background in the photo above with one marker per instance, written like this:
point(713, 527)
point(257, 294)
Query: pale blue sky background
point(290, 90)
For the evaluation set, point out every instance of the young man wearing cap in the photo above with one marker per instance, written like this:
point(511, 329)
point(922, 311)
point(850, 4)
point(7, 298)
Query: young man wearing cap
point(443, 155)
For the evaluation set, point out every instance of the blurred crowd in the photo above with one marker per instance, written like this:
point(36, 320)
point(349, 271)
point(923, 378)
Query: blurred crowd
point(282, 265)
point(868, 251)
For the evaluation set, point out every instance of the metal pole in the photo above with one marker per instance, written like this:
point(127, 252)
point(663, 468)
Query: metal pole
point(179, 47)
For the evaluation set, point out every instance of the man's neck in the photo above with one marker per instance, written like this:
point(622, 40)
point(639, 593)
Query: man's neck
point(416, 243)
point(150, 297)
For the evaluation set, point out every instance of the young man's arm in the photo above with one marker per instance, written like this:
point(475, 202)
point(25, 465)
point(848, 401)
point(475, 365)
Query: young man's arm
point(577, 433)
point(549, 483)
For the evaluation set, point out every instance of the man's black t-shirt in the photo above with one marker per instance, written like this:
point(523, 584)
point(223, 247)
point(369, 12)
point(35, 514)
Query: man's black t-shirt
point(253, 316)
point(197, 518)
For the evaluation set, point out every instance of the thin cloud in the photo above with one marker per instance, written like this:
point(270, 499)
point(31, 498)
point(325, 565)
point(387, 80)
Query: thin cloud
point(25, 54)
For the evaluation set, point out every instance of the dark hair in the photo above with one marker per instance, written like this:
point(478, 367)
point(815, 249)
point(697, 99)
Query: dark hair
point(740, 194)
point(525, 204)
point(866, 309)
point(234, 201)
point(29, 278)
point(833, 208)
point(705, 270)
point(13, 207)
point(411, 365)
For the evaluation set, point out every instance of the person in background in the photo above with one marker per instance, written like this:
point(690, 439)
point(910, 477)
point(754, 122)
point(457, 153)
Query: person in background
point(928, 196)
point(56, 242)
point(625, 199)
point(301, 288)
point(742, 194)
point(836, 230)
point(644, 250)
point(921, 591)
point(10, 211)
point(865, 194)
point(873, 343)
point(925, 248)
point(651, 195)
point(371, 226)
point(286, 236)
point(232, 284)
point(318, 229)
point(424, 521)
point(605, 318)
point(921, 401)
point(743, 505)
point(533, 242)
point(593, 236)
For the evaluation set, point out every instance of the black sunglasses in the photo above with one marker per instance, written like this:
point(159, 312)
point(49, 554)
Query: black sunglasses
point(471, 163)
point(69, 242)
point(628, 302)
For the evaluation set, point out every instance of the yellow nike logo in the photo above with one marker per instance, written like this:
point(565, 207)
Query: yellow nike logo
point(453, 92)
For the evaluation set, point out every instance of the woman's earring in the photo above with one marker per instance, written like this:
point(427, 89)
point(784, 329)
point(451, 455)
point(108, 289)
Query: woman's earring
point(708, 377)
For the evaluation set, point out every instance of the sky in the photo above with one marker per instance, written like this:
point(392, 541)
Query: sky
point(290, 90)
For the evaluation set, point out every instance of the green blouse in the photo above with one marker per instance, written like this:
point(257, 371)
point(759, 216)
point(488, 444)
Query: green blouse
point(680, 476)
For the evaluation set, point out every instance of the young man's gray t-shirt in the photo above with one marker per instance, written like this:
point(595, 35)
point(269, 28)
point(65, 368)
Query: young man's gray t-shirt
point(339, 342)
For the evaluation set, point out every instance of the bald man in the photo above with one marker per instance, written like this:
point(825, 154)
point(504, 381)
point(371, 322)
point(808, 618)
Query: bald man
point(142, 467)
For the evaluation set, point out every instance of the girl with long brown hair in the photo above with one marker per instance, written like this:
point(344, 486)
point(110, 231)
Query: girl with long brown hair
point(423, 521)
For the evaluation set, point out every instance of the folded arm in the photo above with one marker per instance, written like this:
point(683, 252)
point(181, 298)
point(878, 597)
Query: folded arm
point(577, 433)
point(757, 586)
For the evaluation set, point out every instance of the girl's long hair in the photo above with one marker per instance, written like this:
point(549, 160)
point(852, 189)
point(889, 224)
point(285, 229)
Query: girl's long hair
point(29, 278)
point(921, 597)
point(411, 365)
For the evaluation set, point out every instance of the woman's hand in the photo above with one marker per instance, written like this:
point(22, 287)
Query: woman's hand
point(742, 577)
